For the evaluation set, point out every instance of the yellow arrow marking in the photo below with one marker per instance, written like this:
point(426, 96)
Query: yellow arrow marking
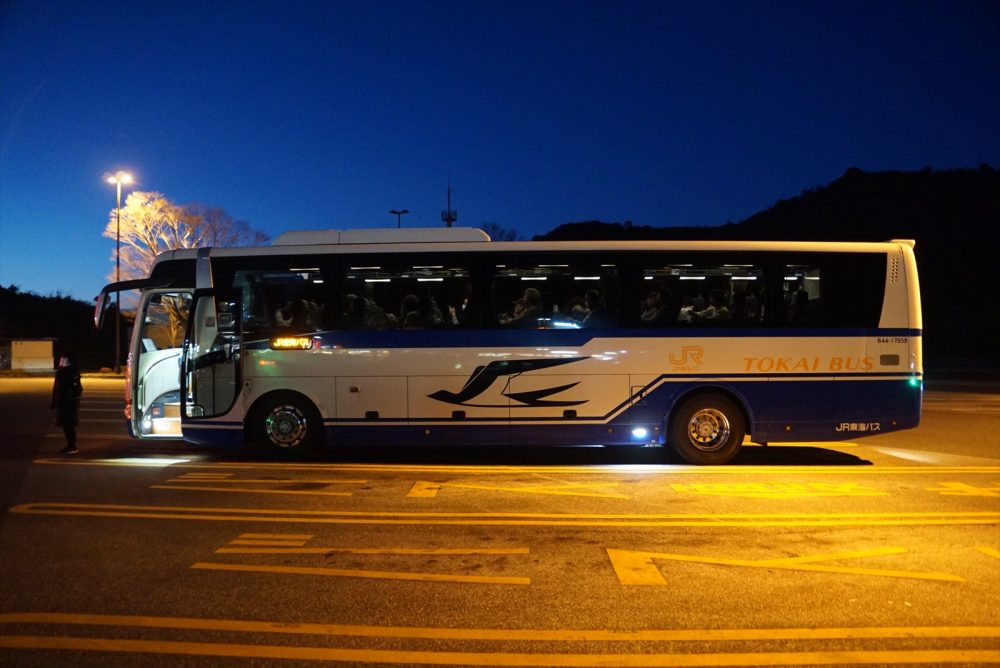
point(963, 489)
point(423, 489)
point(989, 551)
point(637, 568)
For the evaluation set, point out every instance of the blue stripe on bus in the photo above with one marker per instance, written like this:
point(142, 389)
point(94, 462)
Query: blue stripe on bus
point(498, 338)
point(837, 411)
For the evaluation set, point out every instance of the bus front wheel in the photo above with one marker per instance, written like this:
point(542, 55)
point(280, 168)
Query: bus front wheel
point(707, 429)
point(286, 423)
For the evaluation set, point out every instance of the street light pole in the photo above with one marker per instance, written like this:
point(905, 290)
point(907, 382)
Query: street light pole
point(118, 179)
point(399, 215)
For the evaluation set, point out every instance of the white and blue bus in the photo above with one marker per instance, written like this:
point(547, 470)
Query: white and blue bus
point(441, 336)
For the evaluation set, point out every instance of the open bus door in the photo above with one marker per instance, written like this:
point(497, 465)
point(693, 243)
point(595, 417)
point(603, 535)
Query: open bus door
point(211, 359)
point(152, 398)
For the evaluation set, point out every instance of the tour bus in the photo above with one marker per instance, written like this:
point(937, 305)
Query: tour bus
point(442, 336)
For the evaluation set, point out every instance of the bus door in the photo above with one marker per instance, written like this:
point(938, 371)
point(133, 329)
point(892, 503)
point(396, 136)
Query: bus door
point(155, 367)
point(211, 377)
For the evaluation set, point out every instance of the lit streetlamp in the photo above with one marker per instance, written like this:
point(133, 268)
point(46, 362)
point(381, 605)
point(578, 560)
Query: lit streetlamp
point(118, 179)
point(399, 215)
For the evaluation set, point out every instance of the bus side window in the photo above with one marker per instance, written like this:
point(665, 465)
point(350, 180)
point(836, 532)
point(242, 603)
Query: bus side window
point(802, 295)
point(435, 293)
point(685, 292)
point(556, 293)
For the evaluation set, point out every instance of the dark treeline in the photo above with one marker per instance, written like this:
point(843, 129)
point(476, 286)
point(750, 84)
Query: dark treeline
point(952, 215)
point(25, 315)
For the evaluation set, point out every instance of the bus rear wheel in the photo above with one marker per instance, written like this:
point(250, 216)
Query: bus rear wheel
point(286, 423)
point(707, 429)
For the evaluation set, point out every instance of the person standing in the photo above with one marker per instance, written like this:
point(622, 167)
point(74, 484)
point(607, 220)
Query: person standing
point(66, 391)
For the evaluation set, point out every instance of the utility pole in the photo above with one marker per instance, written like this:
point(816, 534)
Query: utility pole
point(399, 216)
point(449, 215)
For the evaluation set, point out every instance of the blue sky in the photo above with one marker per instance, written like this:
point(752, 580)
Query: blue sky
point(312, 115)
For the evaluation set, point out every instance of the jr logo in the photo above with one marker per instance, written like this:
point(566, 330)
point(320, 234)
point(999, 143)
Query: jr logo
point(689, 355)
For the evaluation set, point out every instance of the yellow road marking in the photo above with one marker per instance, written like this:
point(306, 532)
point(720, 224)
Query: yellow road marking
point(267, 543)
point(403, 657)
point(637, 568)
point(423, 490)
point(962, 489)
point(989, 551)
point(266, 481)
point(776, 490)
point(192, 488)
point(278, 536)
point(357, 573)
point(434, 551)
point(513, 634)
point(429, 489)
point(495, 470)
point(805, 444)
point(509, 519)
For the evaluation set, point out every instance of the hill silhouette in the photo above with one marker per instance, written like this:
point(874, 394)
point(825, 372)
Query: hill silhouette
point(952, 215)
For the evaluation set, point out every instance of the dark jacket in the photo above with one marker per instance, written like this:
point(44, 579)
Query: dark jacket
point(66, 393)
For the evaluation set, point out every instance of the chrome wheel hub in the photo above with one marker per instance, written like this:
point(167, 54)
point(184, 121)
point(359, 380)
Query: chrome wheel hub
point(708, 429)
point(286, 426)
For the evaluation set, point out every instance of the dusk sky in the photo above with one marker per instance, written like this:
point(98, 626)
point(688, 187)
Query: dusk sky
point(312, 115)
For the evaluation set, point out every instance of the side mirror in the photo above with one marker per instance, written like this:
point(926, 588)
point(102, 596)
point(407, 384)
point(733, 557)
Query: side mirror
point(100, 307)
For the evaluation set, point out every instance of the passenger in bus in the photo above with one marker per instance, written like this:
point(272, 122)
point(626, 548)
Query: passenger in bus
point(797, 302)
point(576, 309)
point(420, 313)
point(687, 308)
point(597, 315)
point(360, 313)
point(751, 307)
point(298, 314)
point(716, 313)
point(527, 310)
point(654, 311)
point(464, 313)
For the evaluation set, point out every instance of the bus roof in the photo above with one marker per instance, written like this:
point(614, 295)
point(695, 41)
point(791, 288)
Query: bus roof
point(407, 235)
point(424, 240)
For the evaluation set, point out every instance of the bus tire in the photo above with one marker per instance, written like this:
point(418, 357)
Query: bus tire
point(286, 423)
point(707, 429)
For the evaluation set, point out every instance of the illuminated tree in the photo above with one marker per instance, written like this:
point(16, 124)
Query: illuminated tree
point(151, 224)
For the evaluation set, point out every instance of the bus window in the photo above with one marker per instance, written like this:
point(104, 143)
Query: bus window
point(428, 294)
point(714, 294)
point(801, 295)
point(281, 299)
point(550, 294)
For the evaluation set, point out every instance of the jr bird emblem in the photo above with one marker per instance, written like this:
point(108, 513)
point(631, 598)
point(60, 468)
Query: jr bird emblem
point(484, 376)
